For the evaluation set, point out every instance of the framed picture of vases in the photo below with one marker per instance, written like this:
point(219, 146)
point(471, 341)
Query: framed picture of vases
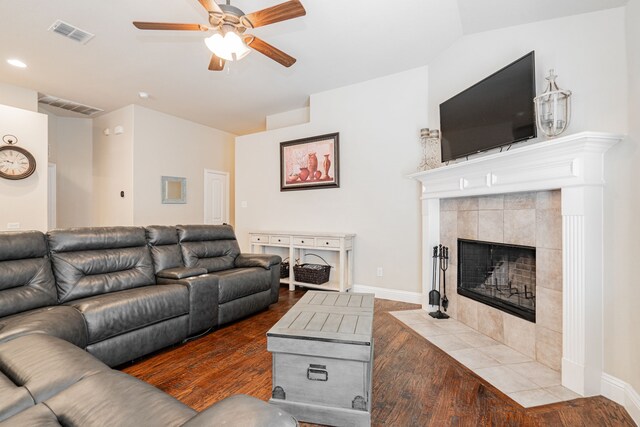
point(310, 163)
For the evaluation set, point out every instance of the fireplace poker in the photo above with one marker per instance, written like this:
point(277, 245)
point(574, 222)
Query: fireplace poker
point(444, 264)
point(434, 294)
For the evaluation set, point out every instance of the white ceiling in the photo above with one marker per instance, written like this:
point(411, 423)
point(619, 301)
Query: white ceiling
point(338, 42)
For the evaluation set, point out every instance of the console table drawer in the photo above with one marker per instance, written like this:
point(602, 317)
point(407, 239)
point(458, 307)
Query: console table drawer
point(304, 241)
point(328, 243)
point(259, 238)
point(279, 240)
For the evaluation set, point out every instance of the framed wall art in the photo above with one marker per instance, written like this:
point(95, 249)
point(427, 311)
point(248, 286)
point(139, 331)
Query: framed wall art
point(310, 163)
point(174, 190)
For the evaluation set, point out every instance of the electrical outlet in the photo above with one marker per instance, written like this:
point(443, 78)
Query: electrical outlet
point(379, 272)
point(13, 225)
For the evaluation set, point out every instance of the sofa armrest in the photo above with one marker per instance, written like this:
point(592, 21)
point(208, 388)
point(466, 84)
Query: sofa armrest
point(180, 272)
point(257, 260)
point(242, 410)
point(203, 300)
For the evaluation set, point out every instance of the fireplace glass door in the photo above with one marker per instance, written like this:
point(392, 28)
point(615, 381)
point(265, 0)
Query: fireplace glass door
point(502, 276)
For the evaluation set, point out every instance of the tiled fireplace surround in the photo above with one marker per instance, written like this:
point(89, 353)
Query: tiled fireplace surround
point(527, 219)
point(573, 165)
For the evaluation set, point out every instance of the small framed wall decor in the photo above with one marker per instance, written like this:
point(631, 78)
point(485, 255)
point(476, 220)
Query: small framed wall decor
point(310, 163)
point(174, 190)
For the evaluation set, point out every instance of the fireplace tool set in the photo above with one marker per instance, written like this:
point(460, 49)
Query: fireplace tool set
point(440, 264)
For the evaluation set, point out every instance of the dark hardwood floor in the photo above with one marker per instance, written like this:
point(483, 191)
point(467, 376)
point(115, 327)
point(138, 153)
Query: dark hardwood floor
point(414, 382)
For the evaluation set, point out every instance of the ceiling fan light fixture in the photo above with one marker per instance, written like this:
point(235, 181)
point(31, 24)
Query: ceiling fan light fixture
point(229, 47)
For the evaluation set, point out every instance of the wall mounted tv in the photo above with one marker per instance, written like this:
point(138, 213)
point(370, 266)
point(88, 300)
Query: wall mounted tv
point(494, 112)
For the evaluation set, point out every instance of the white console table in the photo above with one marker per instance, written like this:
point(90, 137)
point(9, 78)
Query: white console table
point(301, 243)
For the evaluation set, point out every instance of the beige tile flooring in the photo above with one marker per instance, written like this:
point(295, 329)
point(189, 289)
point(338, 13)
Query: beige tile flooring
point(518, 376)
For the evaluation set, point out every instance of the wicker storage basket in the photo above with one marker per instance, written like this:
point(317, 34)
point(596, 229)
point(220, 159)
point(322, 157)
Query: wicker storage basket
point(316, 274)
point(284, 269)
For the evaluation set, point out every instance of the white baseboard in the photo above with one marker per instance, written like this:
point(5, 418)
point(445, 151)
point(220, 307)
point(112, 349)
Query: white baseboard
point(392, 294)
point(623, 394)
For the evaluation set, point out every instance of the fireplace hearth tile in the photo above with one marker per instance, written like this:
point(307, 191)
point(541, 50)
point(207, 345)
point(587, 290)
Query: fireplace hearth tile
point(449, 342)
point(529, 383)
point(428, 330)
point(476, 340)
point(517, 201)
point(453, 326)
point(505, 354)
point(529, 398)
point(538, 373)
point(562, 393)
point(473, 359)
point(520, 227)
point(505, 379)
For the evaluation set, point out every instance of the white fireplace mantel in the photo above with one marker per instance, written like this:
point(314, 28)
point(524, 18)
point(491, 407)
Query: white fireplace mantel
point(573, 164)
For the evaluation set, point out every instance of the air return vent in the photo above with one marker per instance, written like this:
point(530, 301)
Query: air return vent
point(69, 31)
point(65, 104)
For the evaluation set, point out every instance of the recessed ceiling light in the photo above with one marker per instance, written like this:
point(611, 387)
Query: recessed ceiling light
point(143, 95)
point(17, 63)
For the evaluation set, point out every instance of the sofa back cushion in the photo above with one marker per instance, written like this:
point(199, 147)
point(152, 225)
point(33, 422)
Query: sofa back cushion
point(213, 247)
point(163, 243)
point(26, 280)
point(98, 260)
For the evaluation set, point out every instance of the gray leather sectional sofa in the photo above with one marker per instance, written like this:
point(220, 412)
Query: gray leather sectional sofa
point(119, 293)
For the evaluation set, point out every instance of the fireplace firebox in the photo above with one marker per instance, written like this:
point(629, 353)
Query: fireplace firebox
point(499, 275)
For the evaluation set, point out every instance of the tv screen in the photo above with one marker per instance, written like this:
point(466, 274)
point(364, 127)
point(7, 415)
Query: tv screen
point(494, 112)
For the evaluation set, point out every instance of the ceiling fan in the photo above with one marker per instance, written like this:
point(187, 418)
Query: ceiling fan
point(228, 23)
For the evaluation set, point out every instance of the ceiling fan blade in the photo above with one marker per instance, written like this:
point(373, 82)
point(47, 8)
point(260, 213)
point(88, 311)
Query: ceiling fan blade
point(268, 50)
point(216, 64)
point(169, 26)
point(282, 12)
point(211, 6)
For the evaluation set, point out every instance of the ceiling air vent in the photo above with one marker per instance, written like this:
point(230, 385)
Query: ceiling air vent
point(65, 104)
point(69, 31)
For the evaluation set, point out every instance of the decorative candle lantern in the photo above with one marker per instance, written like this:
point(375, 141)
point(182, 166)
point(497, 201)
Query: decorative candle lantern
point(553, 108)
point(430, 140)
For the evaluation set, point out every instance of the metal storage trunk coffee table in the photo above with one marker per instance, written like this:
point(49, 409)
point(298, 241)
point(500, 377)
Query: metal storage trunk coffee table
point(323, 358)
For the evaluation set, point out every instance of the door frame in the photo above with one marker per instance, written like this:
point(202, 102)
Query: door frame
point(52, 196)
point(207, 191)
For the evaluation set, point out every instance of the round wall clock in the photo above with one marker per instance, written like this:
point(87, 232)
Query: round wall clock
point(16, 163)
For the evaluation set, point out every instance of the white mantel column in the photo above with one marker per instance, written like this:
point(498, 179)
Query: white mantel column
point(431, 238)
point(582, 229)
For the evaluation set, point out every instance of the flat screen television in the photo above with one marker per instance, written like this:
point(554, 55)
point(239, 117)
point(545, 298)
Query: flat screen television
point(494, 112)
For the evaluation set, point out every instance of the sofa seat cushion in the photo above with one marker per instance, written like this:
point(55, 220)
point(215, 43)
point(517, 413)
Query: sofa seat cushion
point(13, 398)
point(117, 399)
point(116, 313)
point(44, 365)
point(36, 416)
point(241, 282)
point(242, 410)
point(60, 321)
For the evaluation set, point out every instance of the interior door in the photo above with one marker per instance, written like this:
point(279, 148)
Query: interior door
point(216, 197)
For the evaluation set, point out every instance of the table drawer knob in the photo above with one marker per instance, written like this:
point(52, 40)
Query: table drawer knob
point(317, 373)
